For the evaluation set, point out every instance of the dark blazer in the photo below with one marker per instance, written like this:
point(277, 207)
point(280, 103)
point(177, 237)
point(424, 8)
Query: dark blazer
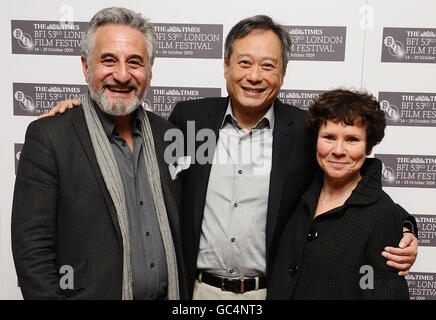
point(322, 258)
point(292, 170)
point(63, 214)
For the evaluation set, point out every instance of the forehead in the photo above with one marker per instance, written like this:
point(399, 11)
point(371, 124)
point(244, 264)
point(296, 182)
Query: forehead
point(119, 39)
point(259, 43)
point(340, 127)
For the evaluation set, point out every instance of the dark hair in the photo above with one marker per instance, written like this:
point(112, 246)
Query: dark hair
point(260, 22)
point(347, 107)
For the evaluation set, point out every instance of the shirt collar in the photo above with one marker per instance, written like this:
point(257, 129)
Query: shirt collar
point(266, 122)
point(109, 125)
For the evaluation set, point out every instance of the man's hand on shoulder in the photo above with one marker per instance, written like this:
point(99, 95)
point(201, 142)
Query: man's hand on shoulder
point(61, 107)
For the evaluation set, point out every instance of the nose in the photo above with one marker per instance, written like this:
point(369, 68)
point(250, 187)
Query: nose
point(254, 74)
point(121, 73)
point(338, 150)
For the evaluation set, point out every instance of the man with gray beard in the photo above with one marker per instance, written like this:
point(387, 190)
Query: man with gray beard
point(95, 211)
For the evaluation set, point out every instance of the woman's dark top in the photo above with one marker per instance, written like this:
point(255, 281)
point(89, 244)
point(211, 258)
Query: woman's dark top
point(337, 255)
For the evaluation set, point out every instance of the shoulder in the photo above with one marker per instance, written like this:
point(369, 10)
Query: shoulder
point(290, 111)
point(158, 122)
point(204, 102)
point(386, 211)
point(53, 126)
point(199, 105)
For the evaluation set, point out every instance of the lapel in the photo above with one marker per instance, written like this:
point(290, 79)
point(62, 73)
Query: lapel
point(283, 136)
point(212, 119)
point(159, 147)
point(81, 129)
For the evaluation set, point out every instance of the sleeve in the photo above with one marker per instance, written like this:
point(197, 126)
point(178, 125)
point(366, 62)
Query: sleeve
point(408, 221)
point(386, 284)
point(33, 225)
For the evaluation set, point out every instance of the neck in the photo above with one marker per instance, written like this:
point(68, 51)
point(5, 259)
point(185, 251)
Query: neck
point(248, 117)
point(333, 188)
point(124, 127)
point(123, 123)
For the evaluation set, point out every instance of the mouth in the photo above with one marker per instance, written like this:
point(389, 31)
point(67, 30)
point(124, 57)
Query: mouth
point(337, 164)
point(252, 90)
point(120, 89)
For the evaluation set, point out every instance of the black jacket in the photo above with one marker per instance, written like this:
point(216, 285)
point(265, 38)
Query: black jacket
point(63, 214)
point(292, 170)
point(328, 257)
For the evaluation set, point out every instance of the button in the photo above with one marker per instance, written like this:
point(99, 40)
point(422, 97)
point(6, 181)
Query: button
point(231, 270)
point(312, 235)
point(236, 204)
point(124, 144)
point(152, 265)
point(147, 234)
point(141, 202)
point(293, 269)
point(240, 171)
point(233, 239)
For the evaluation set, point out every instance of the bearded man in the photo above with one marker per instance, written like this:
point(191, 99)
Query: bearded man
point(95, 212)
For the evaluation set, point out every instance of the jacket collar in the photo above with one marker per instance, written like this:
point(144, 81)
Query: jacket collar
point(367, 191)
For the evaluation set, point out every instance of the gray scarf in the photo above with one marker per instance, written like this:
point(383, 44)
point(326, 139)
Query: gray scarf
point(112, 178)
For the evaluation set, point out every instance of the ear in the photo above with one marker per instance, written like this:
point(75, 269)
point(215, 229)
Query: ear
point(369, 152)
point(282, 77)
point(150, 76)
point(85, 69)
point(226, 68)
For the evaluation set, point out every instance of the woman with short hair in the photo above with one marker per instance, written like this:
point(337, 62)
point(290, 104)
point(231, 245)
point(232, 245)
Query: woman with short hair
point(330, 247)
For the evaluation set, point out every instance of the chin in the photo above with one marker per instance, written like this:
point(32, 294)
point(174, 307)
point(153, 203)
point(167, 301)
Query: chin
point(255, 104)
point(335, 175)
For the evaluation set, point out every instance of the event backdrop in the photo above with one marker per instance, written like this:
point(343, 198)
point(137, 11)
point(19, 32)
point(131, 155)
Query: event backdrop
point(385, 47)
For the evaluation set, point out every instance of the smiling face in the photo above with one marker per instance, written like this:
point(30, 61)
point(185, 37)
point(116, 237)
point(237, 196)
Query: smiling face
point(341, 151)
point(117, 73)
point(255, 71)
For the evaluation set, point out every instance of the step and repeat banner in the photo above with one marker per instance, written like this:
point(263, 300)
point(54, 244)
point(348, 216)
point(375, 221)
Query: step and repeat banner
point(385, 47)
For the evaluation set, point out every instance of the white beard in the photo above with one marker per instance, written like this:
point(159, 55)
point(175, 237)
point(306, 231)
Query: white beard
point(118, 108)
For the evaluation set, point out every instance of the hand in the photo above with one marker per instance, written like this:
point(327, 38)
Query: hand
point(61, 107)
point(404, 257)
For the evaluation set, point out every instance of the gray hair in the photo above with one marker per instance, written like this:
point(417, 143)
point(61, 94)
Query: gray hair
point(121, 16)
point(259, 22)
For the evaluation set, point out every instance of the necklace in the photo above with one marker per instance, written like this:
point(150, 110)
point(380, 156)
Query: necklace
point(324, 201)
point(346, 193)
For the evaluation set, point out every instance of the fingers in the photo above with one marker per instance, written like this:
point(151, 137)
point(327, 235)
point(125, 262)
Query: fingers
point(402, 258)
point(67, 104)
point(51, 113)
point(61, 107)
point(403, 273)
point(43, 115)
point(75, 102)
point(403, 267)
point(406, 240)
point(411, 248)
